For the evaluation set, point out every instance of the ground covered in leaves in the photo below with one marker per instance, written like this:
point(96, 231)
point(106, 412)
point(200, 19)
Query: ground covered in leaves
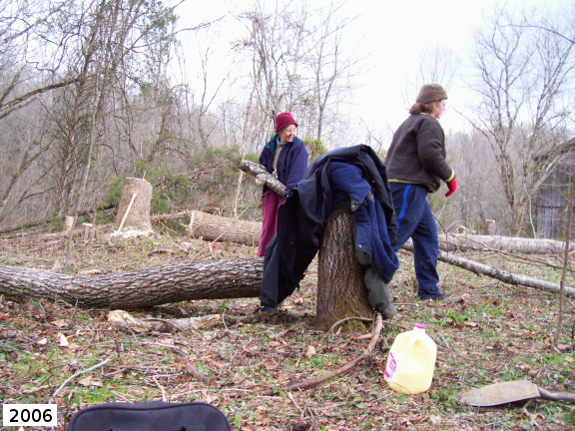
point(486, 332)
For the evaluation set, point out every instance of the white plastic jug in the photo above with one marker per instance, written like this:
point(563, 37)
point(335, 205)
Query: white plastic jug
point(411, 361)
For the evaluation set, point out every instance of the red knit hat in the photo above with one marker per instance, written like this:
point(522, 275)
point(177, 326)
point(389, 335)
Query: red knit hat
point(284, 119)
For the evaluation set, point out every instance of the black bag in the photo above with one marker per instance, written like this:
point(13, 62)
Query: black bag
point(150, 416)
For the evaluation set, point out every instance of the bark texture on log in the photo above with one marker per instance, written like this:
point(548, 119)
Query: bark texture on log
point(216, 228)
point(137, 208)
point(451, 242)
point(256, 169)
point(216, 279)
point(341, 291)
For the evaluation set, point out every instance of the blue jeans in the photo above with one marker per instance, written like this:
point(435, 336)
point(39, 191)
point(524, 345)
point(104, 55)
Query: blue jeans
point(415, 220)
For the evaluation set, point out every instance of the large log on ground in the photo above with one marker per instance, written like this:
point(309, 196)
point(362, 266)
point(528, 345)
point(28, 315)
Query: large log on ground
point(450, 242)
point(134, 208)
point(256, 169)
point(341, 291)
point(216, 279)
point(215, 228)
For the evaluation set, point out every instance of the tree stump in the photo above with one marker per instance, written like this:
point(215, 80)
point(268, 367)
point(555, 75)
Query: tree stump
point(341, 291)
point(134, 210)
point(68, 223)
point(490, 227)
point(89, 231)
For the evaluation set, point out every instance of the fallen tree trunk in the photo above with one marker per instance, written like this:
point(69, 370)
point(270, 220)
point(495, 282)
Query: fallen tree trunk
point(216, 228)
point(216, 279)
point(174, 216)
point(257, 169)
point(451, 242)
point(505, 276)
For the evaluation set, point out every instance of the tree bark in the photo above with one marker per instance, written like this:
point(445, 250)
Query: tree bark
point(256, 169)
point(447, 242)
point(451, 242)
point(215, 228)
point(217, 279)
point(341, 291)
point(134, 208)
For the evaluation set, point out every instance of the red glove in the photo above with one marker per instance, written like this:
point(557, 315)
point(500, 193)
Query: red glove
point(452, 186)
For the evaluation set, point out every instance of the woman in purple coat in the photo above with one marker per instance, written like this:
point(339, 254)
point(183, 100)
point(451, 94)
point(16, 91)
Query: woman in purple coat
point(285, 157)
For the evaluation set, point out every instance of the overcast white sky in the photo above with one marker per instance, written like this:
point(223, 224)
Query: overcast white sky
point(393, 31)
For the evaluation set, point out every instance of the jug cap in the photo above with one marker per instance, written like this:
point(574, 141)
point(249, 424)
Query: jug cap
point(420, 326)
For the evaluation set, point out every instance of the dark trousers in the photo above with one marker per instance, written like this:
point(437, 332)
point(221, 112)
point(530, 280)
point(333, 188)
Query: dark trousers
point(415, 220)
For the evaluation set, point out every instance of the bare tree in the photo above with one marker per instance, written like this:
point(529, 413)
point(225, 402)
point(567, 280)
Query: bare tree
point(99, 46)
point(29, 71)
point(568, 227)
point(273, 45)
point(435, 63)
point(521, 78)
point(332, 65)
point(24, 78)
point(478, 196)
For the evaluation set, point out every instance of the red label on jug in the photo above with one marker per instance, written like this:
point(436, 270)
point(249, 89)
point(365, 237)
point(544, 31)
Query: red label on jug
point(390, 367)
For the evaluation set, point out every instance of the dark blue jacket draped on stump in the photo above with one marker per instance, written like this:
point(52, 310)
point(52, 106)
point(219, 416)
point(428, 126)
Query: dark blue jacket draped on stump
point(353, 174)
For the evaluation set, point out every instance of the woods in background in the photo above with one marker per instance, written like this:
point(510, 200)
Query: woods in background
point(88, 97)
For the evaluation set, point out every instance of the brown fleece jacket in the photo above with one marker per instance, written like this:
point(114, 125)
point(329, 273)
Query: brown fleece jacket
point(417, 153)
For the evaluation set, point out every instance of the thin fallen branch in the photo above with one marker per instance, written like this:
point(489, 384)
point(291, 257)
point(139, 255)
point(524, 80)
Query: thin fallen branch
point(79, 373)
point(366, 354)
point(174, 216)
point(121, 396)
point(499, 274)
point(195, 373)
point(164, 397)
point(141, 368)
point(529, 416)
point(518, 258)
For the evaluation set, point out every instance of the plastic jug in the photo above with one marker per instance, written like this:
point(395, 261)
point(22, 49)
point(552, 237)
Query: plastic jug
point(411, 361)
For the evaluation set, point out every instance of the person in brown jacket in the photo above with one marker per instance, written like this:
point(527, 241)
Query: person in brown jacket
point(416, 165)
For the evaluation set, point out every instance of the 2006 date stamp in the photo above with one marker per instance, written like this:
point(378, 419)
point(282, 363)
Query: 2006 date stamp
point(29, 415)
